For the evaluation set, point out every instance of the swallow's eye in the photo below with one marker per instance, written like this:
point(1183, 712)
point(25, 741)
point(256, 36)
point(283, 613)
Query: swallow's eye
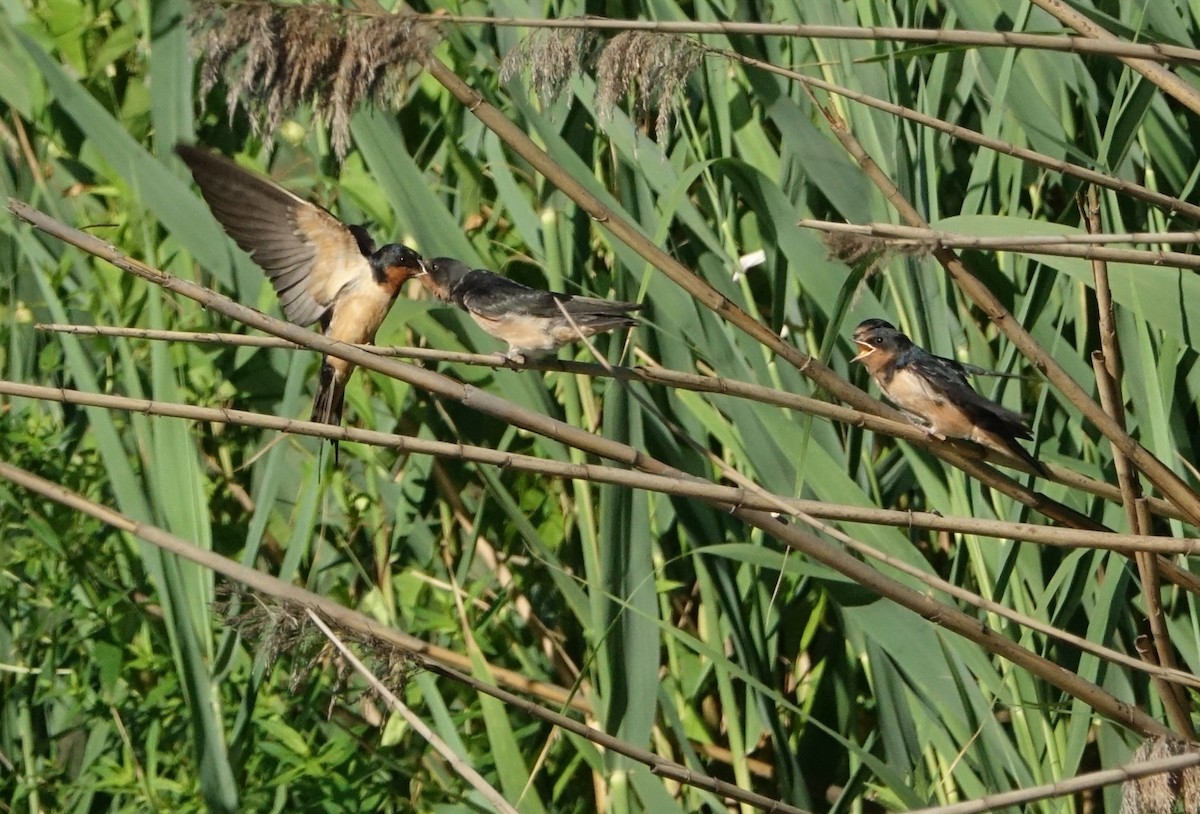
point(877, 340)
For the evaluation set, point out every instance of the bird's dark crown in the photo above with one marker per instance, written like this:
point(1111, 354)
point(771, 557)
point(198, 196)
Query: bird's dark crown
point(879, 335)
point(446, 271)
point(873, 325)
point(397, 254)
point(395, 263)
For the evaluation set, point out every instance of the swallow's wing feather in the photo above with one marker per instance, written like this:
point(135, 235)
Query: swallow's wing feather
point(949, 378)
point(493, 297)
point(593, 306)
point(976, 370)
point(307, 253)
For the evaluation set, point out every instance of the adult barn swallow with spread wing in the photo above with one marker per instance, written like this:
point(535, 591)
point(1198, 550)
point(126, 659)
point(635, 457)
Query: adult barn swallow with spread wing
point(935, 393)
point(322, 269)
point(533, 322)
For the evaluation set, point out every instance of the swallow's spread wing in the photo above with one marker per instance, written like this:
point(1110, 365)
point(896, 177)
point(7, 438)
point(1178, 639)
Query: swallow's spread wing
point(948, 378)
point(307, 253)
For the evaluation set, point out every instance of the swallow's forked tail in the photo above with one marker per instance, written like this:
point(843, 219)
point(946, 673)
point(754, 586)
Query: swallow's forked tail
point(594, 307)
point(331, 393)
point(1011, 445)
point(596, 323)
point(594, 316)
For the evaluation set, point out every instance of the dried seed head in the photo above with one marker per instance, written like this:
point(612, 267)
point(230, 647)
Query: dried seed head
point(1158, 793)
point(372, 69)
point(866, 251)
point(273, 59)
point(652, 67)
point(552, 55)
point(276, 629)
point(220, 45)
point(851, 249)
point(1189, 789)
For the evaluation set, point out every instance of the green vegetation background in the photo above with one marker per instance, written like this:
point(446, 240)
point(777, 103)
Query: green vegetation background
point(121, 690)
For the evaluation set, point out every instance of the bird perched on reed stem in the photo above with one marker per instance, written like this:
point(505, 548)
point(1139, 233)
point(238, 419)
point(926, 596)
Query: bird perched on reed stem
point(533, 322)
point(934, 393)
point(323, 270)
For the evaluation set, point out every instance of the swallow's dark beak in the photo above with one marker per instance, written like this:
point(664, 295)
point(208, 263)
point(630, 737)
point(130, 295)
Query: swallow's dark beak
point(866, 349)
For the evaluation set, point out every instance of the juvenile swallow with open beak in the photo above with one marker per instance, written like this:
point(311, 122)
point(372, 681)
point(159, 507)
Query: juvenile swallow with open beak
point(322, 269)
point(934, 392)
point(533, 322)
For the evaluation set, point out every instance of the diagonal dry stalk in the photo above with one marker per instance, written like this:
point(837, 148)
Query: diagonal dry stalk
point(464, 770)
point(1087, 174)
point(1168, 82)
point(945, 616)
point(1145, 560)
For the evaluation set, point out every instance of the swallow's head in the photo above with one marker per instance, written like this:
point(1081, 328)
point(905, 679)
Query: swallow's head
point(442, 273)
point(395, 263)
point(878, 343)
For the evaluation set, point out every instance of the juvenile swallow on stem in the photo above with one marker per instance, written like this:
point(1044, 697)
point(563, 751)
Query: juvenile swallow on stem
point(322, 269)
point(934, 392)
point(533, 322)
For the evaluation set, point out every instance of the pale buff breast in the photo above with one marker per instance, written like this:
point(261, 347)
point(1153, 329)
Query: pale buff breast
point(913, 393)
point(357, 315)
point(523, 332)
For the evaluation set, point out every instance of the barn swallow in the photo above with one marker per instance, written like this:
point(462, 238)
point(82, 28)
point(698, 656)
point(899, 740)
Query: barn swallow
point(322, 269)
point(533, 322)
point(933, 391)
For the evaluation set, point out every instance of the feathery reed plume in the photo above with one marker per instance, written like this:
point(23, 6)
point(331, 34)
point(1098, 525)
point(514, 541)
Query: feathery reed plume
point(865, 251)
point(552, 56)
point(653, 67)
point(650, 67)
point(870, 254)
point(1159, 793)
point(275, 58)
point(276, 627)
